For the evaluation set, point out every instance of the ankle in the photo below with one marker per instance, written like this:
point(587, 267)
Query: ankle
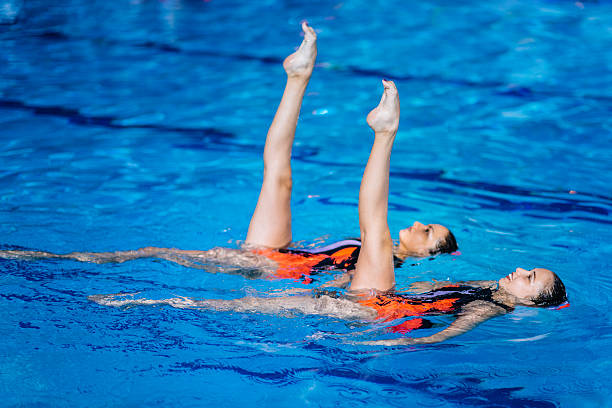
point(387, 135)
point(299, 80)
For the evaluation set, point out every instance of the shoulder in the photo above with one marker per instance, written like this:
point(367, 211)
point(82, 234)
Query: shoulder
point(482, 308)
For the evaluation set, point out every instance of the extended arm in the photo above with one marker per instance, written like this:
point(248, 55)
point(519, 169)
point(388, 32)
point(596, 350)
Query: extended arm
point(94, 257)
point(471, 316)
point(374, 269)
point(223, 260)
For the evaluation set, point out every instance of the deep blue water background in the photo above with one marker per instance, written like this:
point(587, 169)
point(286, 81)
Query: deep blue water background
point(133, 123)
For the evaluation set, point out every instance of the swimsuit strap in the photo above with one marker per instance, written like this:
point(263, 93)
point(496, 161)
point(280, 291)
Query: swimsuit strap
point(335, 246)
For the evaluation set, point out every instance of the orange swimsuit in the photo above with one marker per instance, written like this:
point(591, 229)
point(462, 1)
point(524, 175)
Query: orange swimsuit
point(296, 264)
point(391, 307)
point(446, 300)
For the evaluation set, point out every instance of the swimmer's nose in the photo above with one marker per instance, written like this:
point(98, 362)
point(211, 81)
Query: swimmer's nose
point(417, 224)
point(521, 270)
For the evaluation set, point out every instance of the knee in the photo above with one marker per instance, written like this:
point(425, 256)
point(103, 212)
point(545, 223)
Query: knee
point(279, 180)
point(286, 182)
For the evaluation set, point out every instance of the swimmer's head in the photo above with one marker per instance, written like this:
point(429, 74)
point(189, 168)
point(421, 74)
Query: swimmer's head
point(426, 240)
point(537, 287)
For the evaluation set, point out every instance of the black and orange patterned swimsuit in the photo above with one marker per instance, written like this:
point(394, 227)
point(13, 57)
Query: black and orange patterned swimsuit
point(447, 300)
point(300, 264)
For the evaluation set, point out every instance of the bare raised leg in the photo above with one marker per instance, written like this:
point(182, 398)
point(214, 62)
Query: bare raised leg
point(271, 221)
point(374, 269)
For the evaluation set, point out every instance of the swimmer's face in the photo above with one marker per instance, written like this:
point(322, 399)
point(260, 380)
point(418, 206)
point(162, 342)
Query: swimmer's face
point(421, 240)
point(527, 285)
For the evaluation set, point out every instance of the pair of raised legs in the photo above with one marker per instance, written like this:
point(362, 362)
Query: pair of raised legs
point(271, 222)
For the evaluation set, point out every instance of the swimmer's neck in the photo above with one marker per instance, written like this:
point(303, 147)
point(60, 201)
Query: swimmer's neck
point(401, 252)
point(501, 296)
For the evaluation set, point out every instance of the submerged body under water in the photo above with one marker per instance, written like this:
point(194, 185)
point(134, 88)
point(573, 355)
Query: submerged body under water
point(136, 124)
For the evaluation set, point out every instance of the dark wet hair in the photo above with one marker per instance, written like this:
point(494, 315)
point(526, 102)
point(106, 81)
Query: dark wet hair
point(446, 245)
point(552, 297)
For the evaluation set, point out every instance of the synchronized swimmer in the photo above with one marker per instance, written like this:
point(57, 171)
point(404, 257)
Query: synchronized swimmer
point(368, 262)
point(267, 251)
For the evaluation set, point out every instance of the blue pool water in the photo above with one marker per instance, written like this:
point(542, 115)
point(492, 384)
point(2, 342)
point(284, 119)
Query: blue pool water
point(138, 123)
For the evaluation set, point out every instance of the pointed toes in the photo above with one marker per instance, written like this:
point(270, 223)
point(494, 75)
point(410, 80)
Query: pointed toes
point(309, 32)
point(389, 85)
point(312, 32)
